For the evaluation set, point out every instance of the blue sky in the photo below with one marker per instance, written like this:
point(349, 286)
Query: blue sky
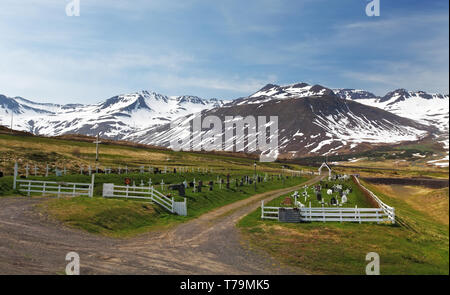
point(224, 49)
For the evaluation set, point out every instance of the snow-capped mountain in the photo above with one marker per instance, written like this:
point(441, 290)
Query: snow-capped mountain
point(425, 108)
point(429, 109)
point(312, 121)
point(113, 118)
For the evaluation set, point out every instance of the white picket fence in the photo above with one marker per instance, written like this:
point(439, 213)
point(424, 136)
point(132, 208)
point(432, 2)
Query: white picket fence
point(54, 187)
point(110, 190)
point(388, 210)
point(331, 214)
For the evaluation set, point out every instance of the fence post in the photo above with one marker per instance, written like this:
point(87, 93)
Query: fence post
point(29, 187)
point(393, 215)
point(59, 190)
point(43, 189)
point(323, 212)
point(16, 167)
point(262, 209)
point(310, 216)
point(91, 187)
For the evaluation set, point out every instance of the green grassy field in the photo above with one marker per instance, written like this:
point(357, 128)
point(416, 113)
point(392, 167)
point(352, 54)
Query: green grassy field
point(418, 244)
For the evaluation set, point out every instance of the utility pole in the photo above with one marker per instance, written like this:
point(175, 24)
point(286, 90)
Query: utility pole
point(12, 118)
point(96, 146)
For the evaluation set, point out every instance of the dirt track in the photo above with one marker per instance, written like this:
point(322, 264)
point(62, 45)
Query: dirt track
point(210, 244)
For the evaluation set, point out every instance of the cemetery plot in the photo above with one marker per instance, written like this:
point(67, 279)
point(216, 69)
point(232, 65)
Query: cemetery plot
point(337, 199)
point(338, 193)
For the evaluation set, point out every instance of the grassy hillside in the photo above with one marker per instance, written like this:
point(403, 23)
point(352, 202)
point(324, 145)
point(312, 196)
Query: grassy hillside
point(70, 153)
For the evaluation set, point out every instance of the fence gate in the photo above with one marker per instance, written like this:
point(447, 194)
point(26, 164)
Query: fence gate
point(180, 208)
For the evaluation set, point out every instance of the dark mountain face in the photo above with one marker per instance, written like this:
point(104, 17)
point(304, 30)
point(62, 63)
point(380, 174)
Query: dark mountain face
point(191, 99)
point(139, 104)
point(312, 125)
point(402, 94)
point(353, 94)
point(9, 104)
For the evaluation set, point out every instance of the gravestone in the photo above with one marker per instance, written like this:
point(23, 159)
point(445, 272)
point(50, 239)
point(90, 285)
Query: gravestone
point(200, 184)
point(333, 201)
point(1, 173)
point(289, 215)
point(211, 185)
point(228, 181)
point(287, 201)
point(181, 190)
point(319, 196)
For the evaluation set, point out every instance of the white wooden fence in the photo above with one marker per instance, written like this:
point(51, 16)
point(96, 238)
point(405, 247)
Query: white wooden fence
point(328, 214)
point(54, 187)
point(388, 210)
point(110, 190)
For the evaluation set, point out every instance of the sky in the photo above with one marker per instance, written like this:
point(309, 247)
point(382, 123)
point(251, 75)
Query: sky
point(219, 49)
